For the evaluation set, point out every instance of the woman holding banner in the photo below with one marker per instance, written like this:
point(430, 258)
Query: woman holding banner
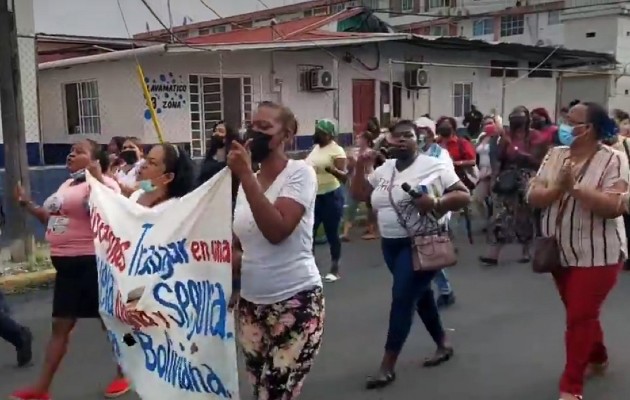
point(281, 311)
point(66, 215)
point(167, 174)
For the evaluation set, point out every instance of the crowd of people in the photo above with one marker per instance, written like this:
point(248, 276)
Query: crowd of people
point(527, 180)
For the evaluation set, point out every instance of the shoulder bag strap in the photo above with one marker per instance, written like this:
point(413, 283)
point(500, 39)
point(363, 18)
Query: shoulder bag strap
point(625, 147)
point(401, 219)
point(399, 215)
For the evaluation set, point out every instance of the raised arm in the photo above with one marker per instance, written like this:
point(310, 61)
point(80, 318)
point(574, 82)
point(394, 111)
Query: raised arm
point(360, 187)
point(24, 200)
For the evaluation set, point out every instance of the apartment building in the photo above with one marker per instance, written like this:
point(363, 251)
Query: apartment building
point(532, 22)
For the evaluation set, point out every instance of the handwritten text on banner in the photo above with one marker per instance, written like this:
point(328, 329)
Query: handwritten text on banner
point(178, 340)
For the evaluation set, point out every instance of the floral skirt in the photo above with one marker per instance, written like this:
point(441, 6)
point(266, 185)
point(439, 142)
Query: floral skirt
point(280, 342)
point(513, 220)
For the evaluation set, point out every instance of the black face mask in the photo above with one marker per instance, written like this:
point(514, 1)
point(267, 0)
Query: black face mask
point(217, 142)
point(259, 146)
point(443, 131)
point(130, 157)
point(319, 138)
point(538, 123)
point(399, 153)
point(517, 123)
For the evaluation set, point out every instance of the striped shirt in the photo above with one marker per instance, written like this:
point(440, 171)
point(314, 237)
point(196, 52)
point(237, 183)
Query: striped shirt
point(586, 239)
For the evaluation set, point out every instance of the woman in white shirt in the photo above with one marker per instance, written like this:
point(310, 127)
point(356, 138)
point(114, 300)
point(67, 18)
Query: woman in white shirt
point(281, 311)
point(482, 191)
point(399, 216)
point(133, 157)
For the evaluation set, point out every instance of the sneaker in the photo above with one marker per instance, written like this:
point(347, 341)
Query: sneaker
point(331, 277)
point(25, 352)
point(28, 394)
point(117, 388)
point(445, 300)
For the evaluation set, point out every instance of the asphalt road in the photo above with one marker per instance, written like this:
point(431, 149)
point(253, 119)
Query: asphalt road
point(507, 328)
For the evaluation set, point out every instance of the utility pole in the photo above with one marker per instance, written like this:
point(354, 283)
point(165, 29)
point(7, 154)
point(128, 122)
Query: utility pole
point(15, 155)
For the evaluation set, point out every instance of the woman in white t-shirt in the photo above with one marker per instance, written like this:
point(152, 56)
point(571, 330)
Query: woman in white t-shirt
point(281, 311)
point(399, 216)
point(132, 157)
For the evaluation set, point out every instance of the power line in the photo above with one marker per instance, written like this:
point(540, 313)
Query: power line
point(328, 52)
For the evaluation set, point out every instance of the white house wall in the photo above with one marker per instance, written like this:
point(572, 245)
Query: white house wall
point(120, 101)
point(122, 106)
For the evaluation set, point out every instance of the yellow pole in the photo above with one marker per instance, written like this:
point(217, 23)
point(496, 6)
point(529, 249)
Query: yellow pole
point(147, 98)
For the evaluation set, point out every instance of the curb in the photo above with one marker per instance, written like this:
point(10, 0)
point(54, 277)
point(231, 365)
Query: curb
point(23, 282)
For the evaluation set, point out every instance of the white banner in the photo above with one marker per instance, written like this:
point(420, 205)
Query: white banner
point(178, 341)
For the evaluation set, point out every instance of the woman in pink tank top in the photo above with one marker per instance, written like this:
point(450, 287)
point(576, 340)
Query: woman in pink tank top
point(66, 216)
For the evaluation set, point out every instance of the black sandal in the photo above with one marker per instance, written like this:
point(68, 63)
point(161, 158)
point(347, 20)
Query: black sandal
point(489, 261)
point(380, 381)
point(441, 356)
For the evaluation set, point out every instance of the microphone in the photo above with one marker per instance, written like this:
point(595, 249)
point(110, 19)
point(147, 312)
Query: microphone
point(407, 188)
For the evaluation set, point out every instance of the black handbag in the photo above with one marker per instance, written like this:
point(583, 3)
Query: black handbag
point(508, 182)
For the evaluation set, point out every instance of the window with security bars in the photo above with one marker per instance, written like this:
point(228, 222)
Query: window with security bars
point(512, 25)
point(213, 99)
point(82, 108)
point(462, 98)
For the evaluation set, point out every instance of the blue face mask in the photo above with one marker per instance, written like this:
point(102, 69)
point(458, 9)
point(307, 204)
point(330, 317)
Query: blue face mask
point(78, 176)
point(146, 186)
point(565, 135)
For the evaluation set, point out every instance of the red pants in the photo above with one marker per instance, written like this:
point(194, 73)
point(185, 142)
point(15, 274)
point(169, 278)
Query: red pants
point(583, 291)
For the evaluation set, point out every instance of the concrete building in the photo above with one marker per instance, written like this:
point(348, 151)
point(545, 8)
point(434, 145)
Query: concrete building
point(310, 64)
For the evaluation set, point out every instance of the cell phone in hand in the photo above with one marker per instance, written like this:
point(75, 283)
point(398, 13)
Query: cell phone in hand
point(422, 189)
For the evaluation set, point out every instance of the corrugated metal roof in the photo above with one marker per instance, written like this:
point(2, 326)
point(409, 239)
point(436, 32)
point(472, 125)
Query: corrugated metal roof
point(235, 20)
point(559, 57)
point(298, 30)
point(556, 54)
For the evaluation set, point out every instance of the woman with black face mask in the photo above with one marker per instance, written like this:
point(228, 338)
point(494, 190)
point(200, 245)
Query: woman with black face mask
point(131, 158)
point(273, 220)
point(541, 121)
point(330, 162)
point(520, 153)
point(401, 218)
point(216, 154)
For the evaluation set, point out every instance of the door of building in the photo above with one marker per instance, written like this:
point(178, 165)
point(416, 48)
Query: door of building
point(363, 93)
